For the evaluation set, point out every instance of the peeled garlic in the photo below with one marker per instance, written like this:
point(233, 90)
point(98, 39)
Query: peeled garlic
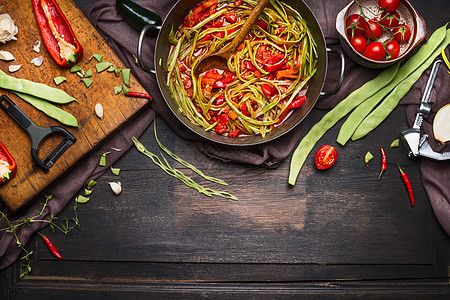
point(99, 110)
point(14, 68)
point(116, 187)
point(7, 28)
point(37, 61)
point(441, 124)
point(36, 46)
point(5, 55)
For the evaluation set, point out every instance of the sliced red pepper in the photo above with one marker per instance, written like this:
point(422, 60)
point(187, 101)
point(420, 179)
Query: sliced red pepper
point(248, 65)
point(8, 166)
point(276, 66)
point(296, 103)
point(266, 90)
point(57, 34)
point(234, 133)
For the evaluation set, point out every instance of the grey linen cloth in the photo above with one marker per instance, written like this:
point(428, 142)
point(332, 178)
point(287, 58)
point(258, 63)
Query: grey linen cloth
point(123, 38)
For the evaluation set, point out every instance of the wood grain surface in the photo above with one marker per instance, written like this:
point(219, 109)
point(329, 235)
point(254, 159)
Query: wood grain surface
point(29, 180)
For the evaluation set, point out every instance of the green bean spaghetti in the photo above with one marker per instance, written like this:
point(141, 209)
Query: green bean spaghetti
point(266, 78)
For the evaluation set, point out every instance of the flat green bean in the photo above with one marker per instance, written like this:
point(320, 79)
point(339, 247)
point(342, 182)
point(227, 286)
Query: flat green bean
point(383, 110)
point(333, 116)
point(50, 109)
point(39, 90)
point(362, 111)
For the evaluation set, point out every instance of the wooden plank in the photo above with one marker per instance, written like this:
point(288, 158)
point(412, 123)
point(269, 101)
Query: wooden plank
point(91, 132)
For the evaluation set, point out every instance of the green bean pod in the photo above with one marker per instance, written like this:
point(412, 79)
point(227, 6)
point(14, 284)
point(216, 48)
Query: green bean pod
point(362, 111)
point(333, 116)
point(50, 109)
point(39, 90)
point(379, 114)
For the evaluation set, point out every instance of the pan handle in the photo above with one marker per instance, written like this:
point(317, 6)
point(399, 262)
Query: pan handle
point(341, 75)
point(140, 45)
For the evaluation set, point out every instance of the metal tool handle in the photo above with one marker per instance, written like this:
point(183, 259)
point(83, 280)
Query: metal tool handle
point(424, 108)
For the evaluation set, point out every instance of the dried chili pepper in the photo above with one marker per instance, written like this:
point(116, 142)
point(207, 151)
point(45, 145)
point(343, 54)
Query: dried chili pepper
point(383, 162)
point(50, 246)
point(407, 184)
point(138, 95)
point(8, 166)
point(57, 34)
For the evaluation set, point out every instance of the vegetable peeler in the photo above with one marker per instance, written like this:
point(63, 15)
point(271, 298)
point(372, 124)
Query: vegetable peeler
point(415, 144)
point(38, 134)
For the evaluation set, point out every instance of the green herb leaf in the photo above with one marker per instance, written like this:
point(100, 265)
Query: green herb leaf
point(81, 199)
point(87, 192)
point(111, 68)
point(60, 79)
point(117, 72)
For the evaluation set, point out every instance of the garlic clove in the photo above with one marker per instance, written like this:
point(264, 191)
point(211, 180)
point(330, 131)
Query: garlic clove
point(37, 46)
point(37, 61)
point(7, 56)
point(14, 68)
point(116, 187)
point(99, 110)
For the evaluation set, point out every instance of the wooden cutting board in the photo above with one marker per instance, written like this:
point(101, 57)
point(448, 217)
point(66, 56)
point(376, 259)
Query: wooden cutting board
point(30, 181)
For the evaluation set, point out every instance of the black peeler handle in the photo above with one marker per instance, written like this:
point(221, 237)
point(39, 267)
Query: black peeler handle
point(38, 134)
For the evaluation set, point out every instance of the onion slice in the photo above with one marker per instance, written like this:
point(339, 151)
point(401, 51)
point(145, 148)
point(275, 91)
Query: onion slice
point(441, 124)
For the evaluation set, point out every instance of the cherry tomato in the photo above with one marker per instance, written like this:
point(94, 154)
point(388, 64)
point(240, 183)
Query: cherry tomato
point(389, 20)
point(359, 43)
point(325, 157)
point(375, 51)
point(373, 29)
point(389, 5)
point(355, 25)
point(392, 49)
point(401, 33)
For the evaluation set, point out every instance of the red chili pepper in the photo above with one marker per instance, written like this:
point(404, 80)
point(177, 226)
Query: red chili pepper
point(383, 162)
point(407, 184)
point(51, 247)
point(296, 103)
point(138, 95)
point(8, 166)
point(57, 34)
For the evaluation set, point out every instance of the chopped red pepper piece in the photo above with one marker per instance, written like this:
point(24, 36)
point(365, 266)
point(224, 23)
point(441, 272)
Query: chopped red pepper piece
point(57, 34)
point(8, 166)
point(261, 24)
point(296, 103)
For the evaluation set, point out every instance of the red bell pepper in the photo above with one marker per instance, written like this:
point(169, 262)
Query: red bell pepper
point(296, 103)
point(8, 166)
point(57, 34)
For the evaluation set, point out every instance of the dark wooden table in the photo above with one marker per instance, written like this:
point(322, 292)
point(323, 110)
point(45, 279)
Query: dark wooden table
point(339, 233)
